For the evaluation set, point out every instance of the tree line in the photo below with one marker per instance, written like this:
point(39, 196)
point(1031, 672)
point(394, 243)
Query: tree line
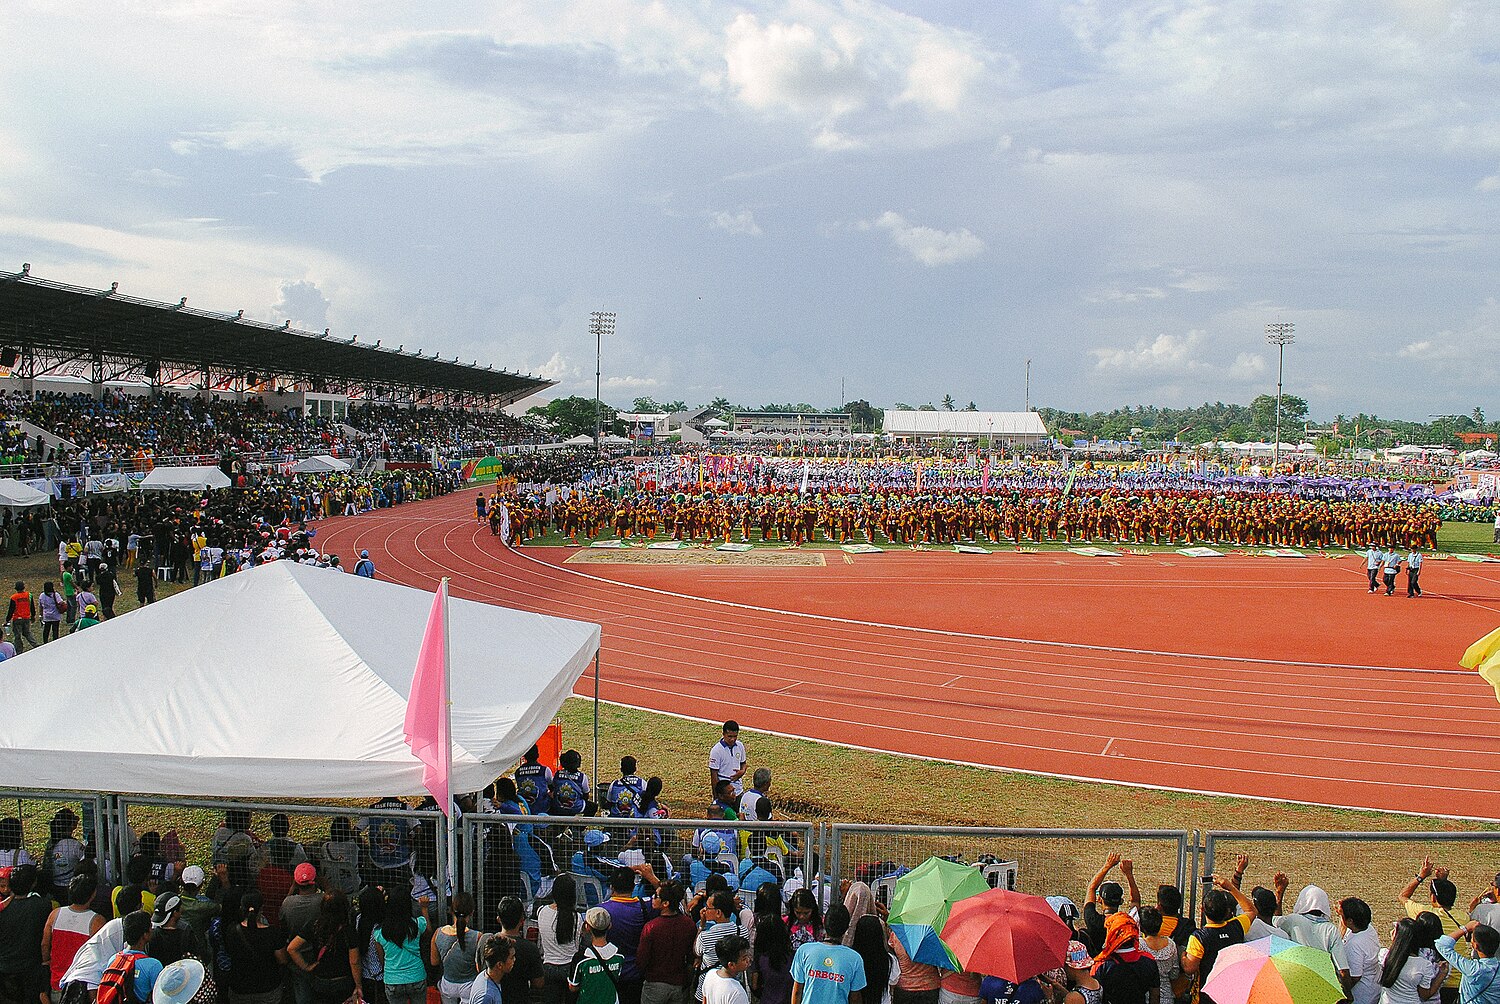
point(1253, 422)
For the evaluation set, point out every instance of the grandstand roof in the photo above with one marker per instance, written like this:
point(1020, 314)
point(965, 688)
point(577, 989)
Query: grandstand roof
point(58, 318)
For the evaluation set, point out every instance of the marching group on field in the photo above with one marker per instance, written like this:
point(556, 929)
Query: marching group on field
point(360, 917)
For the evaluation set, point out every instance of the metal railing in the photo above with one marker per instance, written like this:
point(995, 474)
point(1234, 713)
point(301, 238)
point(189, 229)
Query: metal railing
point(36, 807)
point(1041, 861)
point(520, 856)
point(390, 842)
point(1373, 865)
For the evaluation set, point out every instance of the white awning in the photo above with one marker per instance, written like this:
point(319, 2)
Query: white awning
point(284, 681)
point(186, 479)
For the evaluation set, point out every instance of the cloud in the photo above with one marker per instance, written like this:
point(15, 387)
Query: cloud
point(156, 178)
point(861, 73)
point(304, 304)
point(1164, 352)
point(1489, 183)
point(742, 222)
point(928, 245)
point(1116, 294)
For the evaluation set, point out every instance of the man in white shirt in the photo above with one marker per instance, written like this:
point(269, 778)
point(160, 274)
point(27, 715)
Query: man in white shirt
point(1374, 558)
point(726, 761)
point(1413, 572)
point(723, 985)
point(1361, 949)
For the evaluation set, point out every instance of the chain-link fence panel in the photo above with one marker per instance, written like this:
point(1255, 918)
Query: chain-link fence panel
point(1372, 866)
point(1045, 862)
point(58, 832)
point(259, 844)
point(523, 856)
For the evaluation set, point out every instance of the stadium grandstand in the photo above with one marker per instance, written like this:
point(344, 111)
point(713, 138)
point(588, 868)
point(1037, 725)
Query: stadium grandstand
point(51, 329)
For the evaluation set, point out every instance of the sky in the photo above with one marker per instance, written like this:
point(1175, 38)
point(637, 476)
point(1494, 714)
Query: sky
point(795, 201)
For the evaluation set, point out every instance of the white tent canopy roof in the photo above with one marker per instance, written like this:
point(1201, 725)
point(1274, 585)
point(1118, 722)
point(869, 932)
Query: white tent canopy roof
point(186, 479)
point(284, 681)
point(20, 494)
point(579, 441)
point(321, 464)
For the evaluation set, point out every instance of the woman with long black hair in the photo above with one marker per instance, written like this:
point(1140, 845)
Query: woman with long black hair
point(1408, 977)
point(453, 950)
point(328, 954)
point(871, 941)
point(771, 963)
point(398, 939)
point(557, 930)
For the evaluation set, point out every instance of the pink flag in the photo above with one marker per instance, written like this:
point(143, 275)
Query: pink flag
point(428, 726)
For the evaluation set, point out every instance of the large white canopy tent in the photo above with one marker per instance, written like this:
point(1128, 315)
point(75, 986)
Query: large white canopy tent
point(20, 495)
point(321, 464)
point(284, 681)
point(186, 479)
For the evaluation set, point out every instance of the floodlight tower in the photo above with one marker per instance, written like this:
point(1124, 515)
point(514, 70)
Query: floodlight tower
point(601, 323)
point(1280, 335)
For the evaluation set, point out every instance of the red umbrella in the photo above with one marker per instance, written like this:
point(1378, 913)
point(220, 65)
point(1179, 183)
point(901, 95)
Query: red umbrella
point(1006, 934)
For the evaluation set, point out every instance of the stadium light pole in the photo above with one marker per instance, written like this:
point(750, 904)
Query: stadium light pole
point(601, 323)
point(1280, 335)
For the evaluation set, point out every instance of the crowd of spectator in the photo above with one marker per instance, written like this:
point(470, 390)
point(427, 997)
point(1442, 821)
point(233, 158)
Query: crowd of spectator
point(104, 541)
point(361, 914)
point(120, 431)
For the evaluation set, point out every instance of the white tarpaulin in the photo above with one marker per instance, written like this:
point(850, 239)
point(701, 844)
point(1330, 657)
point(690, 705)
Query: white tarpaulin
point(186, 479)
point(321, 464)
point(284, 681)
point(19, 494)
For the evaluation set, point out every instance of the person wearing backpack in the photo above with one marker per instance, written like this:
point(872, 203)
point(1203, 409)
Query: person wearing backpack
point(131, 975)
point(365, 567)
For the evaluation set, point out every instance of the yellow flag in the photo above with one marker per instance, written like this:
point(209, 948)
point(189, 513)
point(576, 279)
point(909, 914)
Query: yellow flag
point(1490, 670)
point(1481, 650)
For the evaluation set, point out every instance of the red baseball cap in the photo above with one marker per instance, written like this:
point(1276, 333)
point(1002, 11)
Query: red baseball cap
point(305, 874)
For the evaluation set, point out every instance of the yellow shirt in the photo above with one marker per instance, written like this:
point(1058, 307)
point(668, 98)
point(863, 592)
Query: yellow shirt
point(1452, 920)
point(148, 899)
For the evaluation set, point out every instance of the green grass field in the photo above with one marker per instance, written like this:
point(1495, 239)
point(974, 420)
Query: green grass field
point(1467, 538)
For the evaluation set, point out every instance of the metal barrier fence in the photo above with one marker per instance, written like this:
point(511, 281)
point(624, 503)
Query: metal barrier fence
point(522, 855)
point(351, 845)
point(35, 809)
point(1042, 861)
point(1372, 865)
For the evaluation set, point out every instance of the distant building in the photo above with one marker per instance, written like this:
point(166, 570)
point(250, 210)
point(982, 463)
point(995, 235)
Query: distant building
point(793, 422)
point(1016, 427)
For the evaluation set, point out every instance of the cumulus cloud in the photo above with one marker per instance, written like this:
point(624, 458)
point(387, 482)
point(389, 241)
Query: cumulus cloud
point(860, 73)
point(928, 245)
point(1164, 352)
point(742, 222)
point(1117, 294)
point(304, 304)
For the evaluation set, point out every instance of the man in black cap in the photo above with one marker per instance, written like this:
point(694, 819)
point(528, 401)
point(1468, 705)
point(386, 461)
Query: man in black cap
point(1109, 896)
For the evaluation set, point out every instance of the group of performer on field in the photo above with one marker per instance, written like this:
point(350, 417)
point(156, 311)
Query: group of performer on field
point(906, 517)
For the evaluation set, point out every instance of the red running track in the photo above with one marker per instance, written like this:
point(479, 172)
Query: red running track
point(1269, 678)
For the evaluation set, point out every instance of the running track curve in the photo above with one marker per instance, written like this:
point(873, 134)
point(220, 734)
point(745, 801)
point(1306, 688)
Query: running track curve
point(1381, 730)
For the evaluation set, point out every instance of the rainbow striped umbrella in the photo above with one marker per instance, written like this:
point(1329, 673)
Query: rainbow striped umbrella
point(1273, 971)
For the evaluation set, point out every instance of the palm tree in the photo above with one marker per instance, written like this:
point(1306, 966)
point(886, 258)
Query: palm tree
point(948, 403)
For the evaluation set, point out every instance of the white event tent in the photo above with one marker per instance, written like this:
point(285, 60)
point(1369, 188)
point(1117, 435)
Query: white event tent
point(284, 681)
point(20, 495)
point(186, 479)
point(321, 464)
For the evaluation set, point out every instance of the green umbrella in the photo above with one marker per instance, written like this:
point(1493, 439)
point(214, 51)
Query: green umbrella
point(920, 905)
